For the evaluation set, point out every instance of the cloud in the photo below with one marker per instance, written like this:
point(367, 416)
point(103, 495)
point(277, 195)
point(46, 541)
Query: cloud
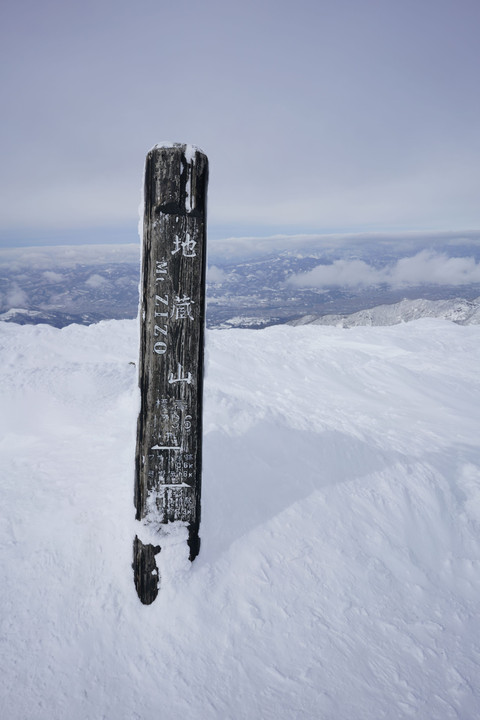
point(52, 277)
point(435, 268)
point(96, 281)
point(355, 125)
point(216, 274)
point(424, 268)
point(16, 297)
point(350, 273)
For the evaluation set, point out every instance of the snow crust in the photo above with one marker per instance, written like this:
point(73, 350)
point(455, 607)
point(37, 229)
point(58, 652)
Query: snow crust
point(339, 570)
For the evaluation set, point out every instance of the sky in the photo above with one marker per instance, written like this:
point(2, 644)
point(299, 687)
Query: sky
point(318, 116)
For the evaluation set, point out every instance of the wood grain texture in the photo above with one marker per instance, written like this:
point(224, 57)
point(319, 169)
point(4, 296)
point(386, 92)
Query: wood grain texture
point(169, 432)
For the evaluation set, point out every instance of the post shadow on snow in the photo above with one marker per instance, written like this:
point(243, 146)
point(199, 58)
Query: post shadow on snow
point(250, 478)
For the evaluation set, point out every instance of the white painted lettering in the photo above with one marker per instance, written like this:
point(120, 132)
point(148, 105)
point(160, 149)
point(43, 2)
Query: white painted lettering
point(160, 269)
point(181, 376)
point(187, 246)
point(160, 347)
point(182, 307)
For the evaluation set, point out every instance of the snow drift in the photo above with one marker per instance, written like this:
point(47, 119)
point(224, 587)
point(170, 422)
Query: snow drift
point(339, 571)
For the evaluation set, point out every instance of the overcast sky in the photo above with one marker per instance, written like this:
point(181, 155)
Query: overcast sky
point(317, 116)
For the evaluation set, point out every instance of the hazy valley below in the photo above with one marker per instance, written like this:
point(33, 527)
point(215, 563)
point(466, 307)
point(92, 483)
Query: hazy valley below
point(249, 284)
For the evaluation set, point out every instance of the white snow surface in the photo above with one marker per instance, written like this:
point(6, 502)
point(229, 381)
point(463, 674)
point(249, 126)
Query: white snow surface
point(339, 574)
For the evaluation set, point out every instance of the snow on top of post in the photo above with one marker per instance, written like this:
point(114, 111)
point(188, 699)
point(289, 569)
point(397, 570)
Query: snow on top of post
point(164, 144)
point(190, 150)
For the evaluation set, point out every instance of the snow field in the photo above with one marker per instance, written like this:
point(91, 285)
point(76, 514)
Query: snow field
point(339, 570)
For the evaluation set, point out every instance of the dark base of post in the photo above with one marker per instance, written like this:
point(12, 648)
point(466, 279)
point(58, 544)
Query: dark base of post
point(145, 571)
point(193, 540)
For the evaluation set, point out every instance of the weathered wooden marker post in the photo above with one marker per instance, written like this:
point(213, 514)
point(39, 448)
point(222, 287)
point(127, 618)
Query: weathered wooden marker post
point(169, 433)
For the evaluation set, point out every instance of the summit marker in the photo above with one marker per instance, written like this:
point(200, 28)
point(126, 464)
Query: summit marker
point(168, 462)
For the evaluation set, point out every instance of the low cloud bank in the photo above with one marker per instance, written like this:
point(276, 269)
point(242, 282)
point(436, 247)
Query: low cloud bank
point(426, 267)
point(96, 281)
point(239, 248)
point(47, 257)
point(216, 274)
point(16, 297)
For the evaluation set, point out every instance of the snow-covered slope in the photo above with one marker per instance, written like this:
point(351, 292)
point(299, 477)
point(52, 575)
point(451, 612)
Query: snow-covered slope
point(339, 576)
point(461, 311)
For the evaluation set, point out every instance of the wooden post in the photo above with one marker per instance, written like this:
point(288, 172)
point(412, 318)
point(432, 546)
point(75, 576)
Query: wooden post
point(172, 317)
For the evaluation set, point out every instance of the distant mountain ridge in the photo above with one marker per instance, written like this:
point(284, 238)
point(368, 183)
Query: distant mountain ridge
point(56, 318)
point(458, 310)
